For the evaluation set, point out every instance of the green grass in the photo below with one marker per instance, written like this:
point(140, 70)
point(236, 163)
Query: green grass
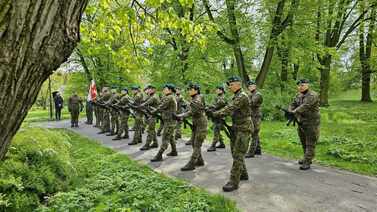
point(58, 170)
point(39, 115)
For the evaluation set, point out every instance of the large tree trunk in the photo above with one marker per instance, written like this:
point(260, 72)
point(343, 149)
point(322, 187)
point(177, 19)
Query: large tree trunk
point(365, 52)
point(230, 6)
point(35, 38)
point(325, 80)
point(283, 53)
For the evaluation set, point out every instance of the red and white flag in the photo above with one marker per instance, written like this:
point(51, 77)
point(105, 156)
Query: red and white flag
point(92, 95)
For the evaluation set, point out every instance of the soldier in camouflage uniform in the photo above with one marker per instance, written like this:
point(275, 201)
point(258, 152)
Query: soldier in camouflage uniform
point(114, 119)
point(239, 109)
point(139, 116)
point(181, 105)
point(199, 121)
point(305, 107)
point(151, 103)
point(105, 98)
point(167, 108)
point(97, 110)
point(161, 122)
point(217, 126)
point(256, 101)
point(124, 102)
point(75, 106)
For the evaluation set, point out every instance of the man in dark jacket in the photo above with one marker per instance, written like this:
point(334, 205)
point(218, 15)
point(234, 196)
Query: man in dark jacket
point(58, 99)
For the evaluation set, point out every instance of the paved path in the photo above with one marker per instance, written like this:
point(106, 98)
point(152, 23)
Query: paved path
point(275, 184)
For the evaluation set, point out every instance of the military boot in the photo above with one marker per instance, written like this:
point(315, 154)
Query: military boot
point(133, 143)
point(249, 154)
point(301, 161)
point(189, 142)
point(126, 136)
point(258, 151)
point(230, 187)
point(173, 151)
point(212, 148)
point(158, 157)
point(154, 145)
point(189, 166)
point(221, 145)
point(117, 138)
point(305, 166)
point(145, 147)
point(244, 177)
point(199, 162)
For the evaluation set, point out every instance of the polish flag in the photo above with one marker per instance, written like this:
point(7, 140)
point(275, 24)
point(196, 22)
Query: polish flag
point(92, 95)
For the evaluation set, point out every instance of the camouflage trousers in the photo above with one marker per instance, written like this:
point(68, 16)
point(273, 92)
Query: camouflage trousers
point(309, 135)
point(255, 142)
point(160, 128)
point(238, 147)
point(151, 131)
point(138, 129)
point(123, 127)
point(75, 117)
point(105, 121)
point(178, 130)
point(168, 136)
point(199, 135)
point(114, 121)
point(217, 137)
point(97, 115)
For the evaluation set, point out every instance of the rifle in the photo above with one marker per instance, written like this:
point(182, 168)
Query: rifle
point(289, 116)
point(228, 129)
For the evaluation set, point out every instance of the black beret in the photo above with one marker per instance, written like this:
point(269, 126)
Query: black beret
point(169, 86)
point(125, 89)
point(221, 87)
point(194, 86)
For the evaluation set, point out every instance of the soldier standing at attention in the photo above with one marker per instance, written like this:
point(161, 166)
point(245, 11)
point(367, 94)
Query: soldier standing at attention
point(114, 119)
point(167, 108)
point(105, 115)
point(217, 126)
point(199, 121)
point(239, 109)
point(305, 107)
point(97, 111)
point(151, 102)
point(123, 103)
point(256, 101)
point(75, 106)
point(139, 116)
point(181, 105)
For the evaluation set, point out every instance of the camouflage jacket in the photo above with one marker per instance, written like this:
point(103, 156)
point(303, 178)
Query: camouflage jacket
point(197, 111)
point(124, 101)
point(167, 108)
point(239, 109)
point(181, 104)
point(151, 102)
point(305, 106)
point(138, 100)
point(256, 101)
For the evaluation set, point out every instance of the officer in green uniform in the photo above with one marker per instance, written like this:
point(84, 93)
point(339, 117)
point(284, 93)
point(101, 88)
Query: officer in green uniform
point(217, 125)
point(196, 110)
point(239, 109)
point(167, 108)
point(305, 107)
point(123, 103)
point(75, 106)
point(256, 101)
point(151, 103)
point(138, 126)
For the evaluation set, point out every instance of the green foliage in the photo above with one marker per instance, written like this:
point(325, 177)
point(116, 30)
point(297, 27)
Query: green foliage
point(37, 165)
point(57, 170)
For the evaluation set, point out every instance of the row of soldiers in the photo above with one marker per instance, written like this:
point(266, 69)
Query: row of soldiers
point(112, 111)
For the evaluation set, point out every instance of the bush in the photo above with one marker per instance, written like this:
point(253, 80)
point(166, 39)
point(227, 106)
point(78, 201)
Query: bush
point(37, 165)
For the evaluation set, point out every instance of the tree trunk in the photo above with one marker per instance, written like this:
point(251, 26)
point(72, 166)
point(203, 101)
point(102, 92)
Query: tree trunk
point(325, 80)
point(35, 38)
point(230, 6)
point(283, 54)
point(296, 68)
